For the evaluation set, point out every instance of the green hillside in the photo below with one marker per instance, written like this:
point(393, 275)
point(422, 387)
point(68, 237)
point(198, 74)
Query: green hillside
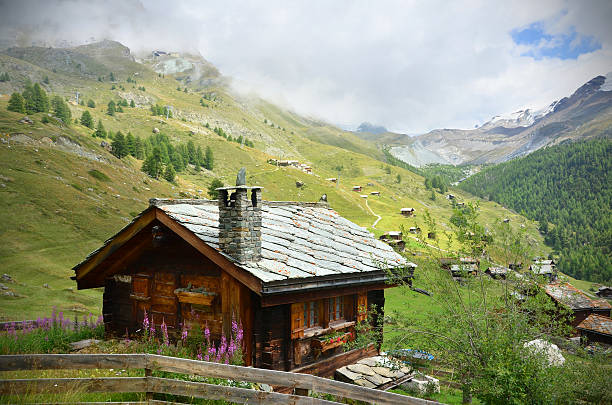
point(566, 188)
point(62, 194)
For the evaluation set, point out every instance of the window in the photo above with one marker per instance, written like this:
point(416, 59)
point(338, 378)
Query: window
point(336, 308)
point(362, 307)
point(311, 314)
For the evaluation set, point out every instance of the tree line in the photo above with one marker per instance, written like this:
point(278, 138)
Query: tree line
point(34, 99)
point(566, 188)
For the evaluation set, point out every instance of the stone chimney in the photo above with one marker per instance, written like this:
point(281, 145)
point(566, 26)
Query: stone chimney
point(240, 220)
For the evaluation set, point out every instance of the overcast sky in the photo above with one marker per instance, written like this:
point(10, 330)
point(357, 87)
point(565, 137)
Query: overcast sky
point(411, 66)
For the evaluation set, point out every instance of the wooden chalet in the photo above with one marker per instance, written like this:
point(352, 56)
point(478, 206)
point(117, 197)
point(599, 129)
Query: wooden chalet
point(545, 268)
point(577, 301)
point(394, 239)
point(356, 188)
point(289, 272)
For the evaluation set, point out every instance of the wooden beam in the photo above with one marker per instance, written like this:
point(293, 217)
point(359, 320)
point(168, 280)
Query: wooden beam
point(72, 385)
point(252, 282)
point(117, 241)
point(281, 299)
point(15, 362)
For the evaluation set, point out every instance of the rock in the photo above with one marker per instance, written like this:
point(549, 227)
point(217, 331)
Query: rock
point(377, 380)
point(106, 146)
point(365, 383)
point(3, 287)
point(156, 130)
point(6, 277)
point(346, 375)
point(385, 372)
point(264, 387)
point(26, 120)
point(422, 384)
point(81, 344)
point(45, 285)
point(361, 369)
point(46, 139)
point(299, 184)
point(549, 351)
point(370, 361)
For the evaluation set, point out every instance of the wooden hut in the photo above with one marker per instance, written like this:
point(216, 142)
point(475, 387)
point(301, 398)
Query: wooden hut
point(289, 272)
point(581, 305)
point(596, 329)
point(356, 188)
point(407, 212)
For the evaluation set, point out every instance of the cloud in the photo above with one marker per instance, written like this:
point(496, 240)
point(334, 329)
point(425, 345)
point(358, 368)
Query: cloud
point(411, 66)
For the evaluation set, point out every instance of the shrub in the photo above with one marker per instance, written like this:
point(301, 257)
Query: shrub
point(98, 175)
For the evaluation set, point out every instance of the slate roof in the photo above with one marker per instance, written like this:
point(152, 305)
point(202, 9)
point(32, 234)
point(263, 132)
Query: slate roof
point(569, 295)
point(299, 240)
point(597, 323)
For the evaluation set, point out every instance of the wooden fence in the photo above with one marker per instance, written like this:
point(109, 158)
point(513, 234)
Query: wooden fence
point(301, 383)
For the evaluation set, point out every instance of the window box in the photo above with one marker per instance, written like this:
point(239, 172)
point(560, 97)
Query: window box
point(327, 343)
point(198, 298)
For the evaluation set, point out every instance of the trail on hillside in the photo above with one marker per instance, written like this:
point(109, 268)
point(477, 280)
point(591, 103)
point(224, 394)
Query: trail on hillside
point(378, 217)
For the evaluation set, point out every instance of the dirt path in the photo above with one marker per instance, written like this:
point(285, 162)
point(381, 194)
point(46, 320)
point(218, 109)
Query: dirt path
point(378, 217)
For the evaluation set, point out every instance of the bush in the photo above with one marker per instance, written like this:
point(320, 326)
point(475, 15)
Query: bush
point(98, 175)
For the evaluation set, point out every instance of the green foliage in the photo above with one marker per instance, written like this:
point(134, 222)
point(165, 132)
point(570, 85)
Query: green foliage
point(100, 131)
point(209, 159)
point(45, 119)
point(91, 103)
point(98, 175)
point(569, 186)
point(111, 109)
point(46, 80)
point(87, 119)
point(169, 173)
point(159, 110)
point(132, 104)
point(17, 103)
point(111, 77)
point(212, 189)
point(61, 110)
point(153, 164)
point(398, 179)
point(119, 145)
point(35, 98)
point(4, 77)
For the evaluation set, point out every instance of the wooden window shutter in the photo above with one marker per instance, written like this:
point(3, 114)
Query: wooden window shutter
point(297, 320)
point(362, 307)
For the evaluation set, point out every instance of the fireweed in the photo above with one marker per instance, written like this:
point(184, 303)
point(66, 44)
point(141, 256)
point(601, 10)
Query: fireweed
point(192, 342)
point(50, 334)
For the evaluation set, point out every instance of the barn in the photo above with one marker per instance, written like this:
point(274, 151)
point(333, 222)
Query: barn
point(289, 272)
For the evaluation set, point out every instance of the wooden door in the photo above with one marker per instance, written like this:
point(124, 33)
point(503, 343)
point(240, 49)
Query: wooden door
point(141, 297)
point(164, 303)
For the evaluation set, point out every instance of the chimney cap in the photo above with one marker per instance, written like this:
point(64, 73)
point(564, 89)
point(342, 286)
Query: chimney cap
point(240, 188)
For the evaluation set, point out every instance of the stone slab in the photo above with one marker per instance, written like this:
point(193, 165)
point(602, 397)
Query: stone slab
point(377, 379)
point(361, 369)
point(364, 383)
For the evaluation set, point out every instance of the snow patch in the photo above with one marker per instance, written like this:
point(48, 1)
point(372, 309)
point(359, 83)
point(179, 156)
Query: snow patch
point(607, 85)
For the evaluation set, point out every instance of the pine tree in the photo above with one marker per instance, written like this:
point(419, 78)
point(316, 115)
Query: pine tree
point(169, 174)
point(100, 131)
point(191, 150)
point(209, 159)
point(112, 77)
point(212, 189)
point(132, 104)
point(153, 164)
point(91, 103)
point(28, 96)
point(111, 108)
point(139, 152)
point(199, 158)
point(87, 120)
point(46, 80)
point(119, 145)
point(41, 101)
point(130, 144)
point(16, 103)
point(61, 110)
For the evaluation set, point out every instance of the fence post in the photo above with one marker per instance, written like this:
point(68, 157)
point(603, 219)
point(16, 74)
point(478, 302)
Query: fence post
point(148, 373)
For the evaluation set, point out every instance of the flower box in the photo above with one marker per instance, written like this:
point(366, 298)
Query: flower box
point(323, 344)
point(189, 297)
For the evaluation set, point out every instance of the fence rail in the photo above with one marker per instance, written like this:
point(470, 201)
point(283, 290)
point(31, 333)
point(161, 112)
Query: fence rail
point(301, 383)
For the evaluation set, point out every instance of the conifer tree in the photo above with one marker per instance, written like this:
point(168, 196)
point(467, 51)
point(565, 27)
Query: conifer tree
point(16, 103)
point(130, 143)
point(100, 131)
point(199, 158)
point(111, 108)
point(87, 120)
point(61, 110)
point(132, 104)
point(153, 163)
point(41, 101)
point(91, 103)
point(169, 174)
point(209, 159)
point(119, 145)
point(139, 152)
point(191, 150)
point(28, 95)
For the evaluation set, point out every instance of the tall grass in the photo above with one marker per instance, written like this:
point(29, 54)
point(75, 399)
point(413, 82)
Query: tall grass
point(50, 334)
